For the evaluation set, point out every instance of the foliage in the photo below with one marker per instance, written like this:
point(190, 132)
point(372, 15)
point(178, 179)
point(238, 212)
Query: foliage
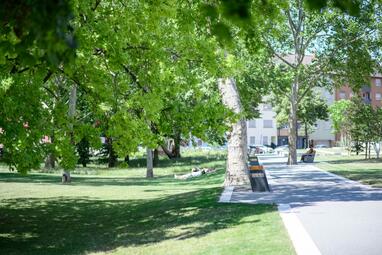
point(83, 151)
point(311, 109)
point(338, 113)
point(357, 121)
point(323, 48)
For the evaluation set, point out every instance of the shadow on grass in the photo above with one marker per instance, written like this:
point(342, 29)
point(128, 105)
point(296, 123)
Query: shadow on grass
point(214, 178)
point(367, 176)
point(63, 225)
point(192, 161)
point(349, 161)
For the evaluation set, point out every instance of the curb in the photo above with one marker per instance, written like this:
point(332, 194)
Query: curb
point(302, 242)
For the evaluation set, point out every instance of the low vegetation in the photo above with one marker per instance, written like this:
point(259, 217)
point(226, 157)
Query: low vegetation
point(367, 171)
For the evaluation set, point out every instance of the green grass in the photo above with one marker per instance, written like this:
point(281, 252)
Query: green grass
point(367, 171)
point(118, 211)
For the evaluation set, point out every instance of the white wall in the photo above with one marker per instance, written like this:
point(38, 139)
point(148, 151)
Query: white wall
point(263, 135)
point(323, 130)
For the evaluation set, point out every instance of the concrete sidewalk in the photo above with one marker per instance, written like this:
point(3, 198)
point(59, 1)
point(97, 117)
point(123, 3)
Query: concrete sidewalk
point(339, 215)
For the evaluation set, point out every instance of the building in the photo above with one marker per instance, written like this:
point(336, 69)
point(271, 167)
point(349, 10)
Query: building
point(371, 93)
point(263, 130)
point(322, 133)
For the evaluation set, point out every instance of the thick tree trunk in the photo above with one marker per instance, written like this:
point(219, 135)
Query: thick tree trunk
point(156, 158)
point(292, 158)
point(127, 159)
point(236, 173)
point(149, 171)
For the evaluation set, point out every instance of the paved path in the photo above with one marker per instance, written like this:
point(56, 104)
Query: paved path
point(342, 217)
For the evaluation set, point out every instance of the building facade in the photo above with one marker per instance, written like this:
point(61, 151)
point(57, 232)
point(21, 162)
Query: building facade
point(263, 131)
point(371, 93)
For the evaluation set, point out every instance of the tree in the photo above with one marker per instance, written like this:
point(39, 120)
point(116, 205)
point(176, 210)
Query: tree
point(311, 109)
point(341, 45)
point(339, 113)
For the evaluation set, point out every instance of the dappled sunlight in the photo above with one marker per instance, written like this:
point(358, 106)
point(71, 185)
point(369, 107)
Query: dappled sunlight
point(90, 225)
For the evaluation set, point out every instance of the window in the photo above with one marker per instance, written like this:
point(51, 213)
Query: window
point(267, 107)
point(252, 123)
point(265, 139)
point(342, 95)
point(378, 96)
point(378, 82)
point(273, 139)
point(252, 140)
point(268, 124)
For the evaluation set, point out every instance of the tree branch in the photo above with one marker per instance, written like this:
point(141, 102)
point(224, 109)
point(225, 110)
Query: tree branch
point(276, 54)
point(96, 5)
point(134, 78)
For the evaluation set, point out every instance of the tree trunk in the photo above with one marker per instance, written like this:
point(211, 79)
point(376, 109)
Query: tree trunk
point(149, 171)
point(177, 139)
point(377, 148)
point(127, 159)
point(292, 138)
point(366, 151)
point(112, 161)
point(306, 136)
point(167, 152)
point(156, 158)
point(72, 110)
point(236, 173)
point(50, 161)
point(369, 149)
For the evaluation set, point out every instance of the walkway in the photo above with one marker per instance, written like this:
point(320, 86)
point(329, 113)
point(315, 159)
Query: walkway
point(339, 215)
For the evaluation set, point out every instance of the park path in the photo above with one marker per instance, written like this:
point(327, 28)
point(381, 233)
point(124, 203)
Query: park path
point(337, 215)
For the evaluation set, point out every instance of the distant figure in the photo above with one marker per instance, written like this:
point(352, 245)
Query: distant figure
point(310, 152)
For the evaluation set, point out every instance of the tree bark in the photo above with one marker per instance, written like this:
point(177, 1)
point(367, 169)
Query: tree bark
point(167, 152)
point(292, 138)
point(149, 171)
point(156, 158)
point(377, 148)
point(50, 161)
point(72, 110)
point(369, 149)
point(236, 173)
point(306, 136)
point(127, 159)
point(112, 161)
point(177, 139)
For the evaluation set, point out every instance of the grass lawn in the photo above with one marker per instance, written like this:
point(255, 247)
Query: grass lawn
point(118, 211)
point(367, 171)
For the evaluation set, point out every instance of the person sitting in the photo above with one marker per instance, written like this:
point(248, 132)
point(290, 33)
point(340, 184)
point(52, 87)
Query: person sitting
point(310, 153)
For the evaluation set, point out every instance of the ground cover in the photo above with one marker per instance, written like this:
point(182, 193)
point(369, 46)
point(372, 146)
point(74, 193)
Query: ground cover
point(118, 211)
point(367, 171)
